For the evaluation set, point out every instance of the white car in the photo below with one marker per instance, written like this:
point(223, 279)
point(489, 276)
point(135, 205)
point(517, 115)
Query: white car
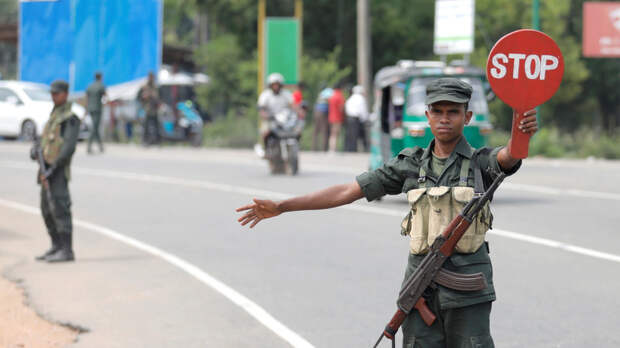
point(25, 107)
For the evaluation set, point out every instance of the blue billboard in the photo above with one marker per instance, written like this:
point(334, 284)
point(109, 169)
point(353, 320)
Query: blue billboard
point(73, 39)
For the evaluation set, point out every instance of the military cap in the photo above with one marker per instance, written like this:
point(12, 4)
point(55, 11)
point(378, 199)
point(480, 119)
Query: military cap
point(59, 86)
point(448, 89)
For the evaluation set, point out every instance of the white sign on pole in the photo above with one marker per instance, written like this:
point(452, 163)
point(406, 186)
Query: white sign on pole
point(454, 26)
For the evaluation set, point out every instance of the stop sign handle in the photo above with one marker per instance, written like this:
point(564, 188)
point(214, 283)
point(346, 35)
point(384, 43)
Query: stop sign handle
point(519, 140)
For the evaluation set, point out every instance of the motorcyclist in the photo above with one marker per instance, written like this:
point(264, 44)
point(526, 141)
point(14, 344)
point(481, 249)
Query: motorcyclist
point(270, 102)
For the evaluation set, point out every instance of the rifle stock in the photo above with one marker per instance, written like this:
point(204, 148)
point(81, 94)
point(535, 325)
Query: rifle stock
point(44, 182)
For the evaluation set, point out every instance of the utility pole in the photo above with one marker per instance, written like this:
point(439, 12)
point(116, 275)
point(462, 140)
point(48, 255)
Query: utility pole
point(299, 14)
point(364, 71)
point(262, 5)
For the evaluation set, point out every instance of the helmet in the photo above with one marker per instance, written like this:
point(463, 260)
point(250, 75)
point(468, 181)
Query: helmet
point(275, 78)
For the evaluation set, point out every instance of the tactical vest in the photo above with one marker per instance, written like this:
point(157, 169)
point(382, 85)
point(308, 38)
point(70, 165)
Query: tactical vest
point(51, 139)
point(150, 99)
point(432, 209)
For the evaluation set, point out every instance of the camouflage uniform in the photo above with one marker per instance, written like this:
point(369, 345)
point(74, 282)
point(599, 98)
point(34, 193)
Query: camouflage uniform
point(462, 316)
point(149, 99)
point(58, 143)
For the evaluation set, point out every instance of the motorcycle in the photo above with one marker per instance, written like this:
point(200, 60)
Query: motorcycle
point(282, 142)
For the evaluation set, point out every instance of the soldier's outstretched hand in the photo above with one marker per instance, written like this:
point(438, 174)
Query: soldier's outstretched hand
point(259, 210)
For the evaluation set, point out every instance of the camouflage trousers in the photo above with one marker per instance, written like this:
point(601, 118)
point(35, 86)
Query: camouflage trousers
point(94, 132)
point(60, 221)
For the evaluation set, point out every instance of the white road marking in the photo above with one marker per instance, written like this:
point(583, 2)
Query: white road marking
point(332, 169)
point(567, 192)
point(555, 244)
point(234, 296)
point(355, 206)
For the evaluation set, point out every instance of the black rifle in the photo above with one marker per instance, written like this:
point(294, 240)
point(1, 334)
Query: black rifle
point(38, 150)
point(429, 271)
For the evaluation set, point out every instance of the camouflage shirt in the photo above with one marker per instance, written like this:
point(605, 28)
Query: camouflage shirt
point(94, 93)
point(149, 99)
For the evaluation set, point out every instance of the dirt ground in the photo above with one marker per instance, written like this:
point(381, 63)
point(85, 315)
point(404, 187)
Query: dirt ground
point(21, 327)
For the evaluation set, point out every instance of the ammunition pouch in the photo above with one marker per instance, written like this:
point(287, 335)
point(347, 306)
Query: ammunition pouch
point(433, 208)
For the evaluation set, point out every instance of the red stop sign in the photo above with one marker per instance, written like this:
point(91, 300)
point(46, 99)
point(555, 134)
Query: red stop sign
point(525, 69)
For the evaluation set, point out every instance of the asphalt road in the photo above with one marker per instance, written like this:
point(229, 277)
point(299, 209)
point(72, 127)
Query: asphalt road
point(329, 278)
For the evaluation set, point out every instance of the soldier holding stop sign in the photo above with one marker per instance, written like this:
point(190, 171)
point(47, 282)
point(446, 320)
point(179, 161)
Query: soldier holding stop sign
point(446, 174)
point(439, 181)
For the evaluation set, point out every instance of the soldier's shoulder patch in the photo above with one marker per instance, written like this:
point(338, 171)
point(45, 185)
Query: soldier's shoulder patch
point(411, 152)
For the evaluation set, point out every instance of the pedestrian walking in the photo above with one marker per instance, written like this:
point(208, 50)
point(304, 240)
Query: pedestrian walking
point(148, 95)
point(57, 146)
point(320, 135)
point(335, 117)
point(94, 105)
point(357, 116)
point(444, 175)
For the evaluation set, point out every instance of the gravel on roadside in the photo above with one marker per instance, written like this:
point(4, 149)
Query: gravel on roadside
point(21, 327)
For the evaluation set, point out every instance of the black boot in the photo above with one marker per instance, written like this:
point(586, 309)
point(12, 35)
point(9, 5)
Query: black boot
point(55, 247)
point(65, 253)
point(45, 255)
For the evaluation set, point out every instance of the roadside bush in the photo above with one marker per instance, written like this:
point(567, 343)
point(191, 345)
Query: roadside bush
point(550, 142)
point(547, 142)
point(232, 76)
point(238, 129)
point(589, 143)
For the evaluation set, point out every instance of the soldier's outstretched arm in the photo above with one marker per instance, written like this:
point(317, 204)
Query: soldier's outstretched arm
point(330, 197)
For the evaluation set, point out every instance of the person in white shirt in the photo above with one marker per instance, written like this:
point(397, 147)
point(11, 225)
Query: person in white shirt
point(357, 117)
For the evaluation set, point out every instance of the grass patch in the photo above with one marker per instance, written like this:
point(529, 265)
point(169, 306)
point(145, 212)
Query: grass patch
point(550, 142)
point(233, 130)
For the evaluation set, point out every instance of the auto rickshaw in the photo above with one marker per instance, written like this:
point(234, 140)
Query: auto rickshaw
point(398, 118)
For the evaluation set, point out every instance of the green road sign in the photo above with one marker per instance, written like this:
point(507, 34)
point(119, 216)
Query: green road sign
point(282, 48)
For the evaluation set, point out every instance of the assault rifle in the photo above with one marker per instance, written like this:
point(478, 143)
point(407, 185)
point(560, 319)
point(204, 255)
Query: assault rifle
point(38, 154)
point(430, 272)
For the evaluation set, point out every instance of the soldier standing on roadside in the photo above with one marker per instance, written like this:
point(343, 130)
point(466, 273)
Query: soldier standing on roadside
point(58, 143)
point(448, 171)
point(94, 93)
point(149, 99)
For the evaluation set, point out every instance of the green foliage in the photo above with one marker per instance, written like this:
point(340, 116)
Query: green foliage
point(318, 73)
point(492, 24)
point(499, 138)
point(232, 76)
point(551, 142)
point(548, 143)
point(233, 130)
point(400, 29)
point(591, 143)
point(178, 24)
